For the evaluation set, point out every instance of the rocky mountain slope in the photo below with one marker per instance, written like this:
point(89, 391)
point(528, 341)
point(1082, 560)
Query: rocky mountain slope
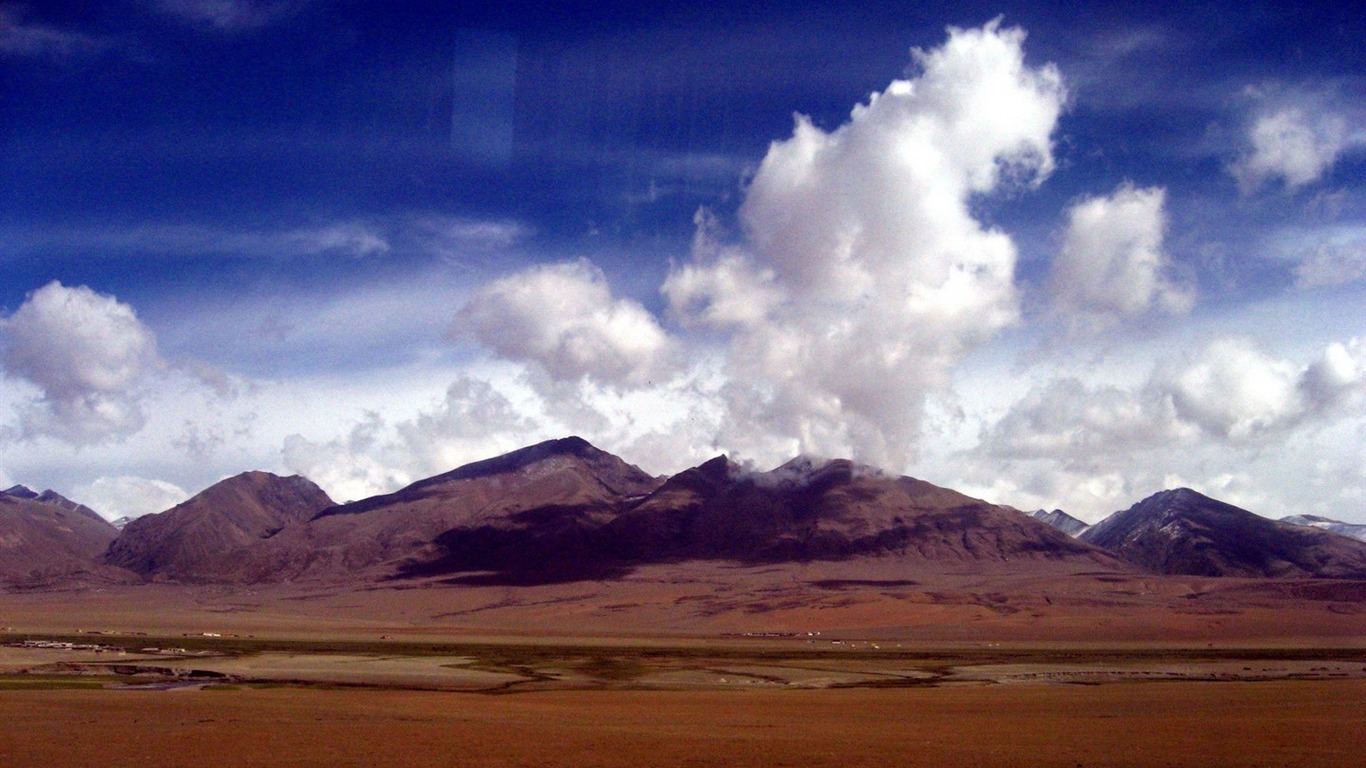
point(824, 510)
point(45, 536)
point(1351, 530)
point(528, 511)
point(203, 537)
point(1060, 520)
point(1183, 532)
point(563, 511)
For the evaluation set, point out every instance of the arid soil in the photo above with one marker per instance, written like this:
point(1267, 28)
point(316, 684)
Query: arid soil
point(799, 668)
point(1228, 725)
point(708, 600)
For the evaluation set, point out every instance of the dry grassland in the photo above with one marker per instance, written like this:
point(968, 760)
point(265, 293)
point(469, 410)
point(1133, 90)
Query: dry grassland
point(1303, 724)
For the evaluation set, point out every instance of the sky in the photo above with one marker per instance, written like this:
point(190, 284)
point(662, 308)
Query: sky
point(1048, 256)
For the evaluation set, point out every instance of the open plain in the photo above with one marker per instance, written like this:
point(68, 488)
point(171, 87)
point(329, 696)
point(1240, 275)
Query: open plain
point(159, 675)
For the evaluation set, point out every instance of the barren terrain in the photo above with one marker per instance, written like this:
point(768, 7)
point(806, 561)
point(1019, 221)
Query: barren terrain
point(660, 669)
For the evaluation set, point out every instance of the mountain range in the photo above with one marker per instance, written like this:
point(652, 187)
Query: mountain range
point(45, 536)
point(564, 511)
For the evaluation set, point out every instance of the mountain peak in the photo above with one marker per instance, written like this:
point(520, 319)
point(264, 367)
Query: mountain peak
point(511, 462)
point(1060, 520)
point(1180, 531)
point(199, 537)
point(20, 492)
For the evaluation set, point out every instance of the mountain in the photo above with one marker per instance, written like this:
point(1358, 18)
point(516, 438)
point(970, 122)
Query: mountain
point(834, 510)
point(563, 511)
point(1351, 530)
point(45, 536)
point(525, 512)
point(1183, 532)
point(203, 537)
point(1060, 520)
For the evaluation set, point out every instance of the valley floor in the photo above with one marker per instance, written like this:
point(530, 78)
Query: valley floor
point(1229, 725)
point(788, 667)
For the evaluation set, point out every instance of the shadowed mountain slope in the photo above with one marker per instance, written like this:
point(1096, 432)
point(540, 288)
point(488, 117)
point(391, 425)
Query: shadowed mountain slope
point(802, 512)
point(1183, 532)
point(530, 506)
point(827, 511)
point(563, 511)
point(1060, 520)
point(201, 538)
point(45, 536)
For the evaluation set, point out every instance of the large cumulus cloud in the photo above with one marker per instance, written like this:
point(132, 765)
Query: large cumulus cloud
point(864, 277)
point(90, 357)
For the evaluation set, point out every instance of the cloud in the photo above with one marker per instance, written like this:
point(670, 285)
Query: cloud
point(90, 357)
point(1292, 143)
point(232, 15)
point(129, 496)
point(721, 288)
point(563, 319)
point(472, 421)
point(355, 239)
point(1112, 265)
point(1338, 257)
point(1067, 419)
point(864, 277)
point(1233, 390)
point(21, 38)
point(1229, 389)
point(1228, 418)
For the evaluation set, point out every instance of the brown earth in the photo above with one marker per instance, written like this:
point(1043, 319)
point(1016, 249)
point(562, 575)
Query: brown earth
point(1233, 725)
point(868, 598)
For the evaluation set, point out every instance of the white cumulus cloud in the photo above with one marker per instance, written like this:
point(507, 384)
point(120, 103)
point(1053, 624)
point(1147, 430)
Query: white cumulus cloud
point(564, 319)
point(1232, 389)
point(1290, 143)
point(1214, 412)
point(1112, 265)
point(129, 496)
point(90, 357)
point(866, 275)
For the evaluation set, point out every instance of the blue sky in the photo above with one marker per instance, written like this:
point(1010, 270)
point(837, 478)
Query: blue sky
point(1056, 258)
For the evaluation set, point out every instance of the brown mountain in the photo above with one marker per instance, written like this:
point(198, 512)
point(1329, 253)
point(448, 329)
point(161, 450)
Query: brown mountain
point(45, 536)
point(828, 511)
point(802, 512)
point(564, 510)
point(1183, 532)
point(203, 537)
point(529, 510)
point(1060, 520)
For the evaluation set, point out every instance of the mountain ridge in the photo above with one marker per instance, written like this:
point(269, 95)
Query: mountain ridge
point(1180, 531)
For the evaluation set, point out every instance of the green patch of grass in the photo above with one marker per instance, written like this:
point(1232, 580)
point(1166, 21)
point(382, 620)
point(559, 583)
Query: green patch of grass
point(38, 683)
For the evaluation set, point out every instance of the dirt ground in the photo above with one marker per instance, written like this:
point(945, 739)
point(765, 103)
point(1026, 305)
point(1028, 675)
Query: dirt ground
point(1305, 724)
point(662, 670)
